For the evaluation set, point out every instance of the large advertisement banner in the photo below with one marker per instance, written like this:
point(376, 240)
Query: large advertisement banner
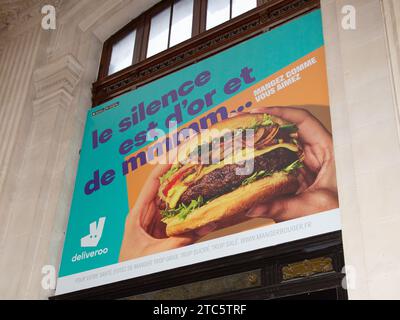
point(229, 155)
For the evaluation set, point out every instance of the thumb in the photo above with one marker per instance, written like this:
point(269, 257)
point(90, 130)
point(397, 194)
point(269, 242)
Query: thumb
point(176, 242)
point(287, 208)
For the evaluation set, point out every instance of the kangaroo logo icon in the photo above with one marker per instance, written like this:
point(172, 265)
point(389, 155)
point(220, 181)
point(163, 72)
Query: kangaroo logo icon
point(94, 236)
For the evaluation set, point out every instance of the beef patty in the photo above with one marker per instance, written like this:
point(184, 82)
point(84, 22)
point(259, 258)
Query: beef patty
point(225, 179)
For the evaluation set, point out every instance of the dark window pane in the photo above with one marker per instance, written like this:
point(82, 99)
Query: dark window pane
point(218, 11)
point(122, 53)
point(241, 6)
point(159, 31)
point(182, 21)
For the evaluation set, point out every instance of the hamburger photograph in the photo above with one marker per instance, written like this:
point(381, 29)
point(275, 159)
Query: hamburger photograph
point(201, 192)
point(246, 172)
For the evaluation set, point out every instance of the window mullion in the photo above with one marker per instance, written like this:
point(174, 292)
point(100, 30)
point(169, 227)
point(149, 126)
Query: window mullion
point(139, 41)
point(145, 38)
point(170, 22)
point(203, 15)
point(106, 59)
point(196, 22)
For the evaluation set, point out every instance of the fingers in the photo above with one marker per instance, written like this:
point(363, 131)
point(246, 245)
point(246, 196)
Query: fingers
point(304, 204)
point(306, 178)
point(203, 231)
point(158, 228)
point(258, 211)
point(149, 192)
point(326, 178)
point(291, 207)
point(303, 183)
point(295, 115)
point(159, 170)
point(175, 242)
point(311, 129)
point(147, 218)
point(234, 114)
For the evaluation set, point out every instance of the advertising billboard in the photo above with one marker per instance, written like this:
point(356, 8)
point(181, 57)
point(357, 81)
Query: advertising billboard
point(229, 155)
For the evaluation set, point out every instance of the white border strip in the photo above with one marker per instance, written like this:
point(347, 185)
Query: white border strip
point(259, 238)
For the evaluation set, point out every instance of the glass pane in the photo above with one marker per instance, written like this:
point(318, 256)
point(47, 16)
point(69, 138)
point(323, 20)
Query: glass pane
point(159, 31)
point(241, 6)
point(122, 53)
point(218, 11)
point(182, 19)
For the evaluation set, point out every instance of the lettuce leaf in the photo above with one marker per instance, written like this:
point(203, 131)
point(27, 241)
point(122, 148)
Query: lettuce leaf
point(257, 175)
point(291, 128)
point(294, 166)
point(182, 211)
point(169, 173)
point(262, 174)
point(267, 120)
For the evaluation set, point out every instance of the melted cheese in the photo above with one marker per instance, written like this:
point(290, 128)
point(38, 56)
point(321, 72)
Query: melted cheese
point(174, 194)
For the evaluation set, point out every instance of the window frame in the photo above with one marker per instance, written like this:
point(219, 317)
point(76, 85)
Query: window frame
point(119, 35)
point(267, 15)
point(147, 24)
point(142, 25)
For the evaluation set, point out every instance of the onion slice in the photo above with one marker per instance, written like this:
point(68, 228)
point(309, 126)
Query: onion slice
point(265, 137)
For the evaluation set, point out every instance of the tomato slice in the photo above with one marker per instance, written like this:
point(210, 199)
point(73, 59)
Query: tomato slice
point(178, 176)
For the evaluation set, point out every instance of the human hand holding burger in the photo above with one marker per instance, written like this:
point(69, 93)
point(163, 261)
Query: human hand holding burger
point(318, 188)
point(144, 232)
point(291, 179)
point(239, 162)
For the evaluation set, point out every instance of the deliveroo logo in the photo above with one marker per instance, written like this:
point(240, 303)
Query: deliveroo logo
point(96, 231)
point(91, 241)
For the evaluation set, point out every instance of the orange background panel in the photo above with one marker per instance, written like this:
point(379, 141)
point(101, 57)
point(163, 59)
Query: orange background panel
point(310, 92)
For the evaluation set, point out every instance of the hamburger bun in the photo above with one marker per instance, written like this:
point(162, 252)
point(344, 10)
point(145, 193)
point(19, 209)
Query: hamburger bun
point(234, 203)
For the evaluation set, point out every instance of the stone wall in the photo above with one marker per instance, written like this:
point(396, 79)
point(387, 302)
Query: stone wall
point(45, 90)
point(46, 79)
point(365, 122)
